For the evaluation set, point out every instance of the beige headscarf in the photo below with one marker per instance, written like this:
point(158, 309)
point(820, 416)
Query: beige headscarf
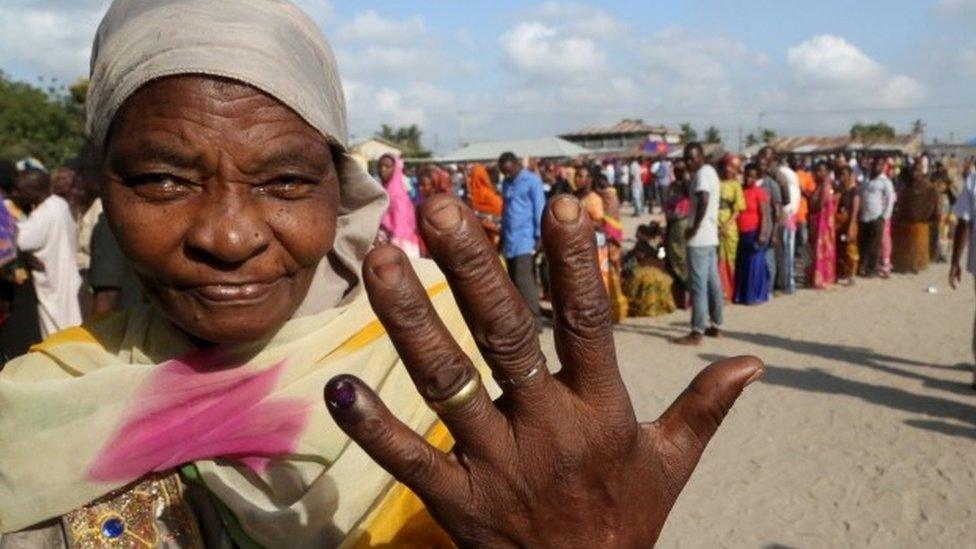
point(268, 44)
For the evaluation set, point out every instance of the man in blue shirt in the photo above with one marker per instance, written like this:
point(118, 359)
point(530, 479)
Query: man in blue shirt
point(522, 227)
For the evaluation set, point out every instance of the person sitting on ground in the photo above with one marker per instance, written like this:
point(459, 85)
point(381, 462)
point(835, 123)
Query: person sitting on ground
point(646, 282)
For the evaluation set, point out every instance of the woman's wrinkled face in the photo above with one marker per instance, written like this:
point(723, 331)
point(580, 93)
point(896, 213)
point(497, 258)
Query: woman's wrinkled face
point(224, 200)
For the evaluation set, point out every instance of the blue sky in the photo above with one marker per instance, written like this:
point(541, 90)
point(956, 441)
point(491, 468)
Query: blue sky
point(479, 70)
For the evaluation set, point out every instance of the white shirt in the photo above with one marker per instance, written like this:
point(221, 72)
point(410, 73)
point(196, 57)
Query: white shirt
point(50, 234)
point(635, 174)
point(793, 186)
point(966, 211)
point(624, 174)
point(706, 180)
point(877, 199)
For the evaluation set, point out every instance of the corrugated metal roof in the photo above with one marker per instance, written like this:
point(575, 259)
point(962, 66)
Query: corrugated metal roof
point(818, 144)
point(546, 147)
point(624, 127)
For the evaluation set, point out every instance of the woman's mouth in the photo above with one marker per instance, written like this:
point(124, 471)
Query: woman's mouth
point(231, 293)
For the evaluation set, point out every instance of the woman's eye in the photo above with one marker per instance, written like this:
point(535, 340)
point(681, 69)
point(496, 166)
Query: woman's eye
point(288, 187)
point(158, 186)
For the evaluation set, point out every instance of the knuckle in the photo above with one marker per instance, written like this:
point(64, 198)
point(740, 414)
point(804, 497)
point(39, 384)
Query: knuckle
point(418, 464)
point(588, 317)
point(464, 255)
point(374, 432)
point(409, 313)
point(447, 372)
point(508, 335)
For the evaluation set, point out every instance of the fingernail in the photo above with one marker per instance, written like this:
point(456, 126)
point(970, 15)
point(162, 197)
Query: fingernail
point(755, 377)
point(566, 210)
point(445, 217)
point(390, 274)
point(340, 394)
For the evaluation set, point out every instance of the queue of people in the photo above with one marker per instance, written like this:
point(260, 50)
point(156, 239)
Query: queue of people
point(728, 230)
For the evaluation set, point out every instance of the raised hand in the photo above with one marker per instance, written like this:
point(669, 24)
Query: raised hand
point(559, 460)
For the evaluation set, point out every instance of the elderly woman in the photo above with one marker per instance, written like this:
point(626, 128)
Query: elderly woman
point(198, 419)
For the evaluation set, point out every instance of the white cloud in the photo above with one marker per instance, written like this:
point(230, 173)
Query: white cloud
point(537, 50)
point(833, 70)
point(371, 27)
point(580, 19)
point(49, 40)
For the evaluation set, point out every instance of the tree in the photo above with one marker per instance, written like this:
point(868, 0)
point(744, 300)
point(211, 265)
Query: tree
point(768, 136)
point(872, 132)
point(47, 123)
point(688, 134)
point(408, 138)
point(751, 140)
point(713, 135)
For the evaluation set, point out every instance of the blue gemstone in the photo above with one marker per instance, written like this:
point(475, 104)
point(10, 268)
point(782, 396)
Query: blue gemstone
point(113, 528)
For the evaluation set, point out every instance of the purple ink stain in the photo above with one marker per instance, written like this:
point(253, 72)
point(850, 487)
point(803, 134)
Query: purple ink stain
point(340, 393)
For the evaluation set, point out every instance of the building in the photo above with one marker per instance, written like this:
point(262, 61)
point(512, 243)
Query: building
point(624, 137)
point(366, 151)
point(489, 151)
point(910, 144)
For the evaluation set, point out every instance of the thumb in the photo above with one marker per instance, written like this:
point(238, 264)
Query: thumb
point(691, 421)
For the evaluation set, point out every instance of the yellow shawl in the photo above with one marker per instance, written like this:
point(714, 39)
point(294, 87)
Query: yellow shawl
point(81, 409)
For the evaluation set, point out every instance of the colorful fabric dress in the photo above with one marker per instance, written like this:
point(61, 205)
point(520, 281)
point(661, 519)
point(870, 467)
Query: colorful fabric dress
point(847, 252)
point(648, 291)
point(399, 223)
point(613, 230)
point(751, 277)
point(822, 218)
point(593, 205)
point(677, 210)
point(915, 210)
point(731, 202)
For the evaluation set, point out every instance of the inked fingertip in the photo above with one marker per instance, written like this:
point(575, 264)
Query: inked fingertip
point(340, 393)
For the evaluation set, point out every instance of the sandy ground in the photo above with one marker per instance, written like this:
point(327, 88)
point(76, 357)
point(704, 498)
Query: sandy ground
point(863, 433)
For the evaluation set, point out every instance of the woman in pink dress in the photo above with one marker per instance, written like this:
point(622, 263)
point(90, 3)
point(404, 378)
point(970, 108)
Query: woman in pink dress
point(823, 208)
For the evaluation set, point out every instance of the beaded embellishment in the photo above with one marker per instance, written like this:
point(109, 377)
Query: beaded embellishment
point(150, 514)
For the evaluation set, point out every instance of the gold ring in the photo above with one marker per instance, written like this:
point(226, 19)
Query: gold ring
point(460, 399)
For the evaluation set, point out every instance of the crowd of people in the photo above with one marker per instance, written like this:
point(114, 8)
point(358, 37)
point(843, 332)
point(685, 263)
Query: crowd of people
point(724, 230)
point(60, 263)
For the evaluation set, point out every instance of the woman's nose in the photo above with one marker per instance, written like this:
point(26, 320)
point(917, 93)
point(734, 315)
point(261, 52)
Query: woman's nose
point(230, 227)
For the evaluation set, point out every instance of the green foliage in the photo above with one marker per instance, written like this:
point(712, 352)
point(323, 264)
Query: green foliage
point(688, 134)
point(48, 124)
point(751, 140)
point(768, 136)
point(408, 138)
point(713, 136)
point(872, 132)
